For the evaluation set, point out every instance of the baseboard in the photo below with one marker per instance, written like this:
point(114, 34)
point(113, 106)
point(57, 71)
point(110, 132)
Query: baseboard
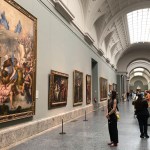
point(12, 135)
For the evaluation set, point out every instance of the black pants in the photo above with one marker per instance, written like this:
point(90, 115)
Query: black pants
point(142, 124)
point(113, 130)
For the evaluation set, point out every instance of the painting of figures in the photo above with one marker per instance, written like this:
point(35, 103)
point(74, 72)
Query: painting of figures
point(17, 62)
point(114, 87)
point(88, 89)
point(110, 88)
point(58, 89)
point(78, 87)
point(103, 89)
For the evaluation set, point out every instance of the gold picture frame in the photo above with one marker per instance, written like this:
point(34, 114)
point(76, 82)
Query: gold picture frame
point(114, 87)
point(110, 87)
point(58, 89)
point(18, 41)
point(88, 89)
point(103, 89)
point(77, 88)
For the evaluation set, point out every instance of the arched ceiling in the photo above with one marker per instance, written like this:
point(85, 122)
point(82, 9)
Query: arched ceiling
point(138, 64)
point(139, 68)
point(144, 75)
point(137, 52)
point(138, 78)
point(109, 19)
point(106, 22)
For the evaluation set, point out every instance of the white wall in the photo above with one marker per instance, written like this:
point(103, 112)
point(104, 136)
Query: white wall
point(60, 47)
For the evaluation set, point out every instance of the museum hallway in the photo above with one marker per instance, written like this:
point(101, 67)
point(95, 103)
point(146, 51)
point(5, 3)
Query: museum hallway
point(90, 135)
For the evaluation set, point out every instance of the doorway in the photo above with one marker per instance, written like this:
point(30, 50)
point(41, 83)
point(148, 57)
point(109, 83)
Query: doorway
point(94, 66)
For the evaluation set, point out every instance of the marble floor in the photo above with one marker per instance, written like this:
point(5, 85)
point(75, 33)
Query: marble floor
point(91, 134)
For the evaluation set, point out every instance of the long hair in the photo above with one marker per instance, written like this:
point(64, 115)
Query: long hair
point(138, 102)
point(140, 98)
point(113, 96)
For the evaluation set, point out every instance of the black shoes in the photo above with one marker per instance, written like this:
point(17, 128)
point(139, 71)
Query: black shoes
point(146, 136)
point(110, 143)
point(142, 136)
point(113, 145)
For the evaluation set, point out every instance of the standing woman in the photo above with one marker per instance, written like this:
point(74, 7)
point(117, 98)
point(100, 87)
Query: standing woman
point(142, 113)
point(112, 120)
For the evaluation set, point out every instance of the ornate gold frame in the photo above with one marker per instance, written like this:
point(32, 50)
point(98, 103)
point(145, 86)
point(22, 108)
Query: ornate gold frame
point(52, 101)
point(103, 89)
point(114, 87)
point(77, 91)
point(88, 85)
point(29, 112)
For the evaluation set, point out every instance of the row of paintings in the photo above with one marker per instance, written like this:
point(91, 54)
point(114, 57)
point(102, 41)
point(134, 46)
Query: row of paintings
point(18, 38)
point(58, 88)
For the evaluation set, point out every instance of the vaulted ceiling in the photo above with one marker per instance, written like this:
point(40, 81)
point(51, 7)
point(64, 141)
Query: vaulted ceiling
point(110, 21)
point(106, 22)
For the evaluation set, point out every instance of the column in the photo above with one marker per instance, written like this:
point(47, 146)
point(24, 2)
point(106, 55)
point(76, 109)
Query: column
point(123, 84)
point(119, 86)
point(128, 88)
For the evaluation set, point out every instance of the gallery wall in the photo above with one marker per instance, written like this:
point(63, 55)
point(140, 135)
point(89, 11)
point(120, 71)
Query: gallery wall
point(60, 47)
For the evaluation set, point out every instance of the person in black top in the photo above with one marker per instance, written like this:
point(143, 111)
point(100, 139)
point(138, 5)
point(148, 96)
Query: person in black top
point(112, 120)
point(142, 113)
point(127, 96)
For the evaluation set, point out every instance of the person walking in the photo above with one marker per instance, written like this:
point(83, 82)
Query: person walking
point(142, 114)
point(112, 119)
point(128, 96)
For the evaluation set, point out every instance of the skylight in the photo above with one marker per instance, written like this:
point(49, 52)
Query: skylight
point(138, 74)
point(138, 69)
point(139, 25)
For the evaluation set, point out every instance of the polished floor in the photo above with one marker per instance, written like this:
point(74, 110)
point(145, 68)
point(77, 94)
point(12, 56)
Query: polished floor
point(91, 134)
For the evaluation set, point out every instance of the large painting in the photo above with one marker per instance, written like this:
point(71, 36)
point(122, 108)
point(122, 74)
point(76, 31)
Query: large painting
point(58, 89)
point(78, 87)
point(88, 89)
point(17, 62)
point(103, 89)
point(110, 87)
point(114, 87)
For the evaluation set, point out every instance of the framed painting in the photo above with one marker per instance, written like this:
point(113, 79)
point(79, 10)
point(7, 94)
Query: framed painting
point(58, 89)
point(110, 87)
point(77, 88)
point(88, 89)
point(103, 89)
point(18, 39)
point(114, 87)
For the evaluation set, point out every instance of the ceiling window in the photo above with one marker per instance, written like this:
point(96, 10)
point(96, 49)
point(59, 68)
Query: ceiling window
point(139, 25)
point(138, 74)
point(138, 69)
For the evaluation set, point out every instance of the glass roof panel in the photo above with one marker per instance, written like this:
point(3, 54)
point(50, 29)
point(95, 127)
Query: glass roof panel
point(138, 74)
point(139, 25)
point(139, 69)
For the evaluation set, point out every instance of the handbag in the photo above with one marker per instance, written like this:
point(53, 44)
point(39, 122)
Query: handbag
point(117, 114)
